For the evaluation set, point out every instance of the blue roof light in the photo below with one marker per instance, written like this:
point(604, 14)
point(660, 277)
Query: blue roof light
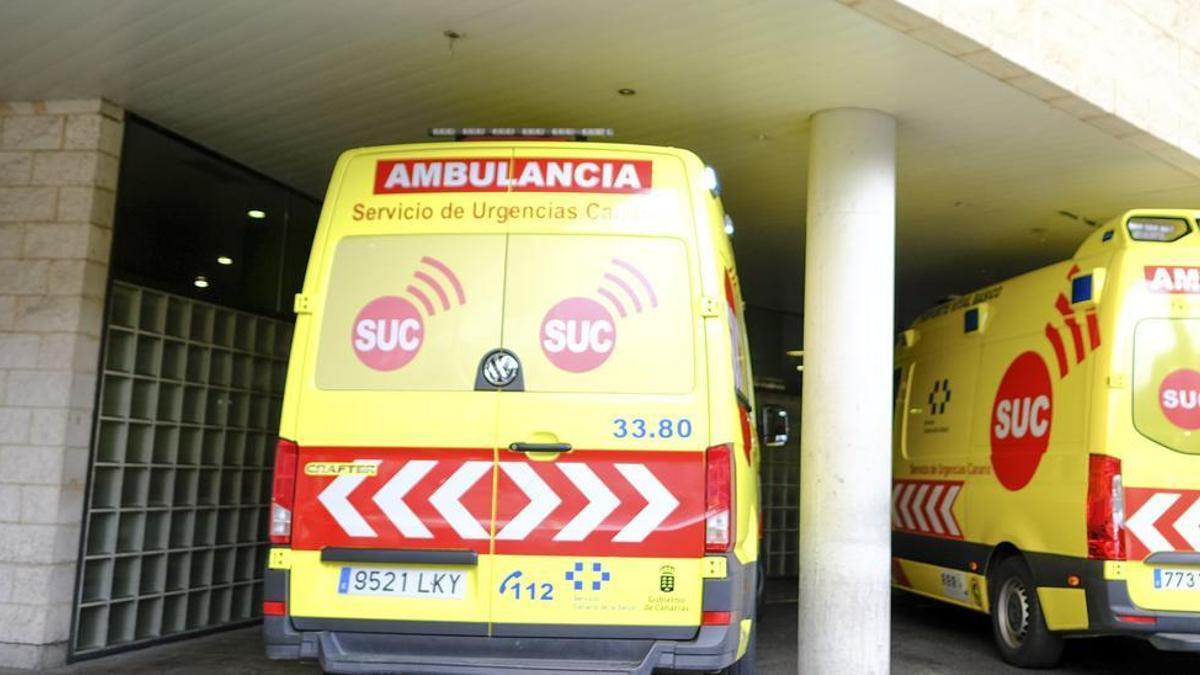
point(1081, 288)
point(971, 320)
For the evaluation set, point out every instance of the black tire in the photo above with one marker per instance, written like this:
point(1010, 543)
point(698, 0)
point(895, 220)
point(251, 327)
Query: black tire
point(746, 664)
point(1017, 621)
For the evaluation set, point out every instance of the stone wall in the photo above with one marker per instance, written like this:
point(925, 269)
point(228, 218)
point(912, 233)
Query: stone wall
point(58, 179)
point(1131, 68)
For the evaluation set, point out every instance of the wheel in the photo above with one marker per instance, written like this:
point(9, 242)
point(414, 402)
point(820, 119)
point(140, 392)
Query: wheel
point(745, 665)
point(1017, 621)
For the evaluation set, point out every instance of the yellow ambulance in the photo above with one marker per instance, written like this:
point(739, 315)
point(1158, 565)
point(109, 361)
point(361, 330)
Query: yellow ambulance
point(1047, 445)
point(517, 430)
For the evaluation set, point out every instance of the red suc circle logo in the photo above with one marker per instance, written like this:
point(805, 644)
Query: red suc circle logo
point(1021, 417)
point(1179, 397)
point(578, 334)
point(388, 333)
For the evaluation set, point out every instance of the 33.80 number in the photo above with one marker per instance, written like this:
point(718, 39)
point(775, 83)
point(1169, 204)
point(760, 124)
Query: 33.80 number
point(637, 427)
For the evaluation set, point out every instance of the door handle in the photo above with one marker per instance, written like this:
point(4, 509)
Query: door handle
point(540, 447)
point(385, 555)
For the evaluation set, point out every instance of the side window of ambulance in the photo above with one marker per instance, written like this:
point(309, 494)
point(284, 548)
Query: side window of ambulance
point(733, 314)
point(600, 314)
point(896, 380)
point(410, 312)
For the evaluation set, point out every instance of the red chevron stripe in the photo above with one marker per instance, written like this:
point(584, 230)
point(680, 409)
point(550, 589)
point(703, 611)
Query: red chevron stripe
point(912, 501)
point(1064, 307)
point(1060, 350)
point(1165, 524)
point(1093, 324)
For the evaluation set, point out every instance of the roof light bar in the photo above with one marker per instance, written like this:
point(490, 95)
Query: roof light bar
point(1157, 229)
point(581, 133)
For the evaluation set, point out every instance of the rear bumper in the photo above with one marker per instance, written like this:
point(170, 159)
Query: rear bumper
point(1110, 609)
point(713, 648)
point(1109, 600)
point(359, 646)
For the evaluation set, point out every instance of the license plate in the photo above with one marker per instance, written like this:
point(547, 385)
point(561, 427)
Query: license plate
point(1176, 579)
point(401, 582)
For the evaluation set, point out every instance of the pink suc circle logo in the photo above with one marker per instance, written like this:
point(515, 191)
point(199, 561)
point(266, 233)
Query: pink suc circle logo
point(1179, 398)
point(578, 334)
point(388, 333)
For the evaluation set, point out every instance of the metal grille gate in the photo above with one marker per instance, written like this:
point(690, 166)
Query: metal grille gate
point(175, 537)
point(781, 495)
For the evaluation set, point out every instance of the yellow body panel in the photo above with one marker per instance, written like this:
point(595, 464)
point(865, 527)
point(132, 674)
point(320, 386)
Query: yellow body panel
point(516, 254)
point(1064, 608)
point(964, 589)
point(640, 602)
point(968, 412)
point(315, 593)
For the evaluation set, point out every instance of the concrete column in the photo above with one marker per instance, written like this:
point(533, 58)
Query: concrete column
point(845, 441)
point(58, 176)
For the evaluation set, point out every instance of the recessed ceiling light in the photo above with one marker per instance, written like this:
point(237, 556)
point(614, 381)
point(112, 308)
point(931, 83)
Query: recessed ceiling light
point(626, 91)
point(224, 260)
point(257, 214)
point(200, 282)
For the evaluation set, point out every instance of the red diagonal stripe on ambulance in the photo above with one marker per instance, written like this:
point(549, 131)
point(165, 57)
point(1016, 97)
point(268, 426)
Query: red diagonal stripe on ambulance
point(589, 502)
point(1161, 520)
point(1166, 523)
point(667, 489)
point(926, 507)
point(316, 526)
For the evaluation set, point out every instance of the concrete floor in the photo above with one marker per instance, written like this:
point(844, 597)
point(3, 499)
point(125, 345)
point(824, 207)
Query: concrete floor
point(927, 637)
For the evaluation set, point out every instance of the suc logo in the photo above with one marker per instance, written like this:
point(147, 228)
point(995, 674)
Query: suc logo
point(389, 331)
point(1021, 418)
point(578, 334)
point(1179, 398)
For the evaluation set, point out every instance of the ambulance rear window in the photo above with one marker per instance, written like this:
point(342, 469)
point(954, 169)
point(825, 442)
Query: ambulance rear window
point(1166, 387)
point(582, 313)
point(410, 312)
point(601, 314)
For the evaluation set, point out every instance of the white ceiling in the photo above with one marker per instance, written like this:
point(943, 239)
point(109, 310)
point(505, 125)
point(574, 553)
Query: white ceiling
point(984, 169)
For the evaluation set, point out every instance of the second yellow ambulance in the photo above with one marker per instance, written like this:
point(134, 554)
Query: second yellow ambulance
point(517, 429)
point(1047, 449)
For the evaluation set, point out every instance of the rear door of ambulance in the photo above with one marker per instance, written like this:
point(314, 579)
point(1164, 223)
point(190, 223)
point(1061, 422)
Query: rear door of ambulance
point(394, 494)
point(600, 492)
point(1161, 460)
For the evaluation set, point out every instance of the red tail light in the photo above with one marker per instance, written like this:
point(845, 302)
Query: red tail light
point(1105, 509)
point(718, 491)
point(283, 491)
point(715, 618)
point(274, 608)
